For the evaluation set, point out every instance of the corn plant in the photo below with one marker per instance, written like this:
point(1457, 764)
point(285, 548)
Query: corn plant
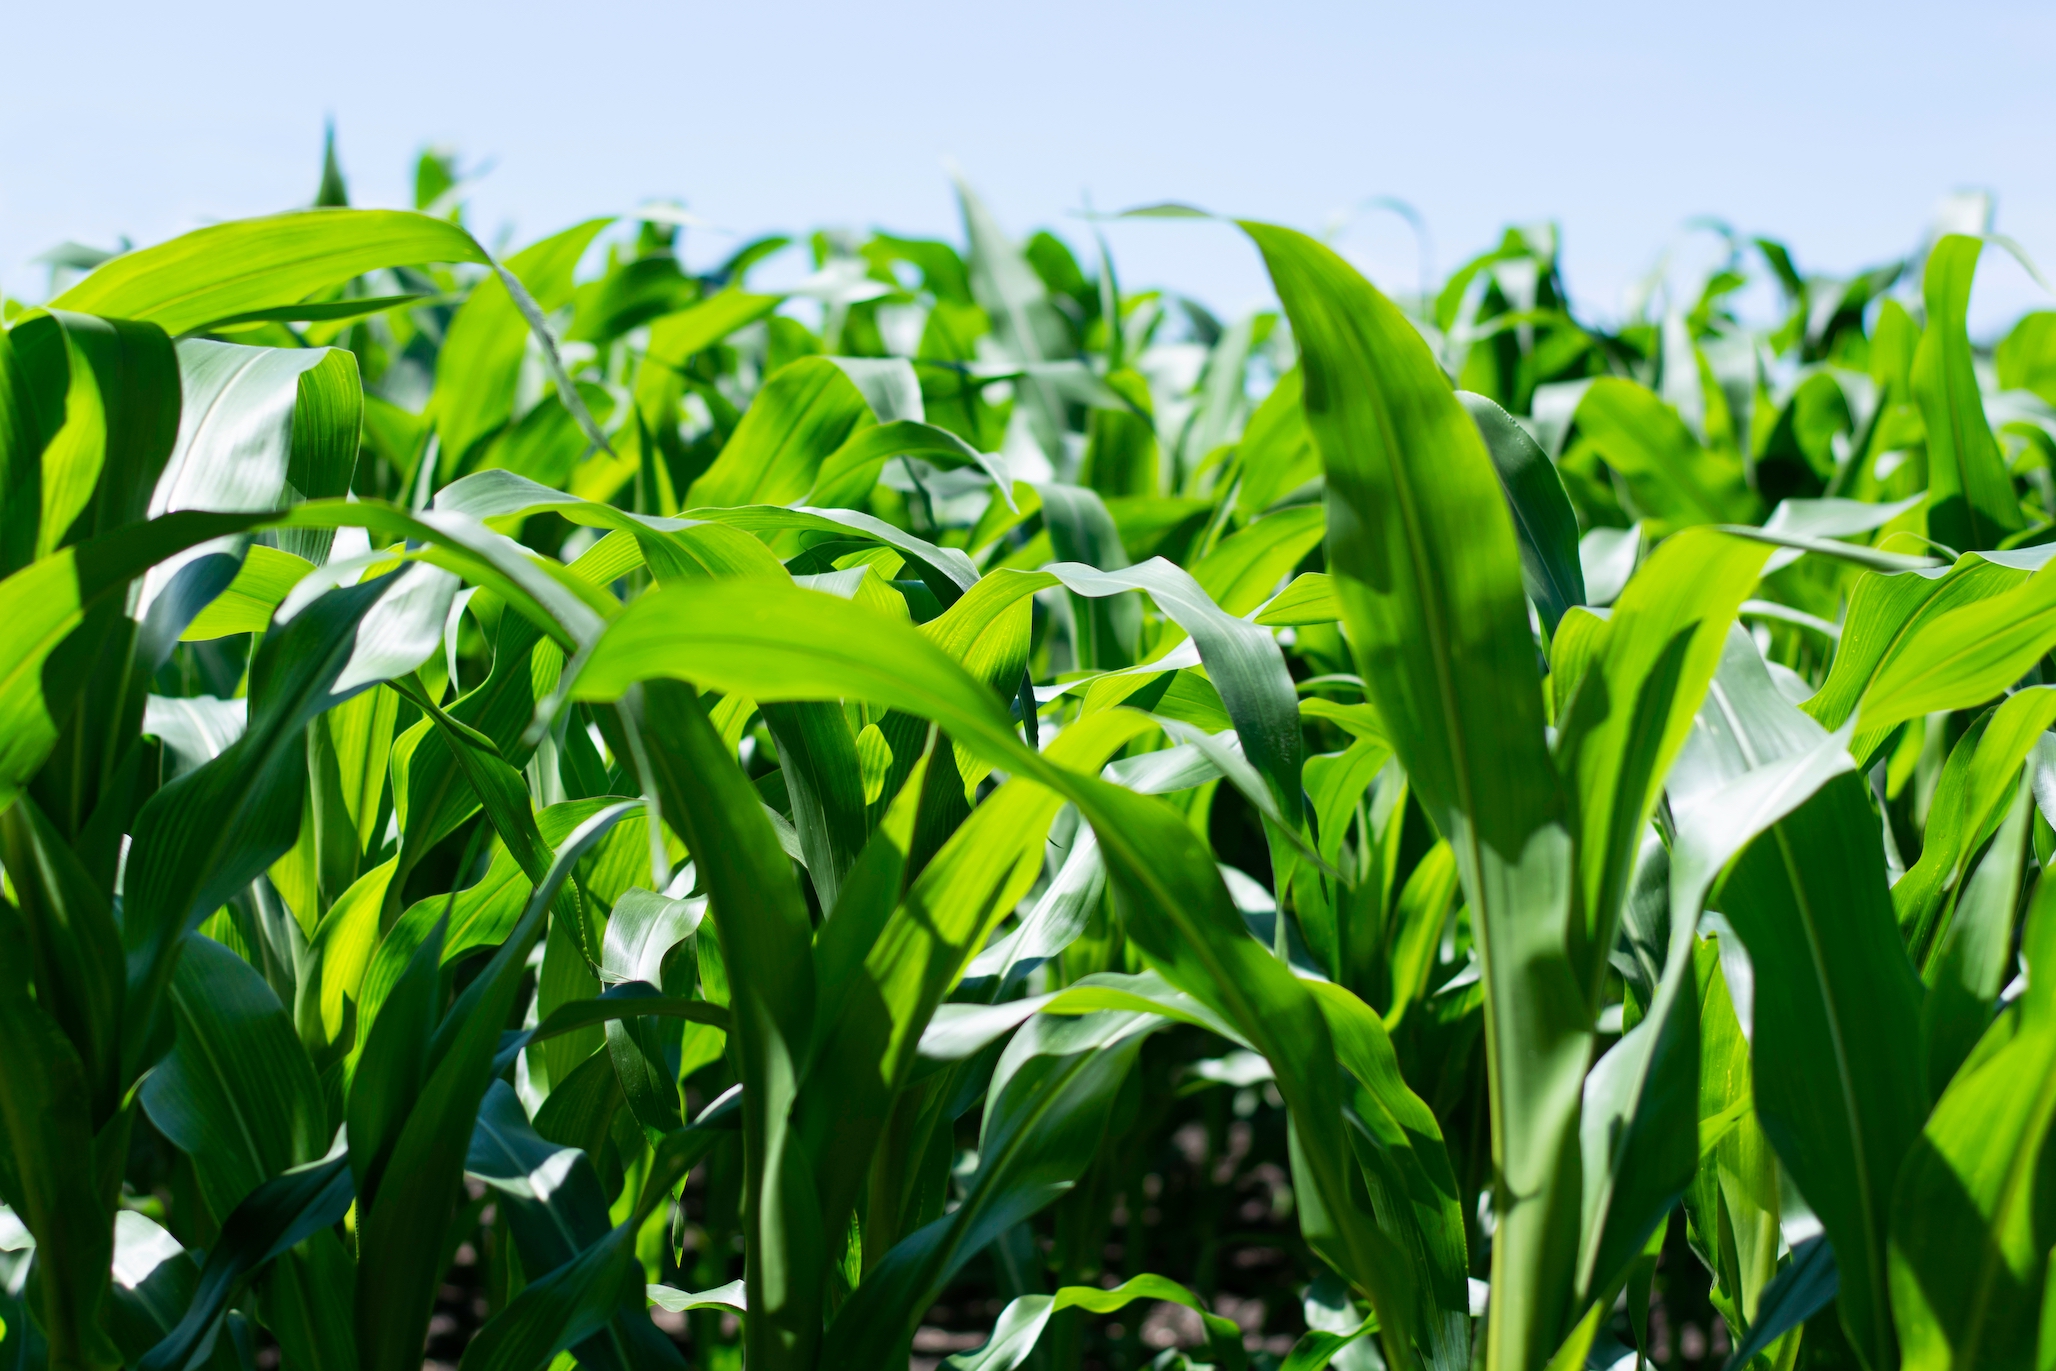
point(783, 809)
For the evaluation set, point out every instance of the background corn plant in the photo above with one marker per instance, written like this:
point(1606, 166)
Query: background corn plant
point(534, 791)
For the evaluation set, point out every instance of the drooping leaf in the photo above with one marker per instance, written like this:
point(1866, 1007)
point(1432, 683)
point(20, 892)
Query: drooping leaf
point(481, 357)
point(272, 1219)
point(226, 270)
point(1021, 1323)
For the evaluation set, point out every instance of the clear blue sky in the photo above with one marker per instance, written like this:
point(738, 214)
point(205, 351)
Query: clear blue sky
point(1835, 126)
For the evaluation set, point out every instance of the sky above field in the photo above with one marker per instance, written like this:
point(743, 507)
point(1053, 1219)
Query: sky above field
point(1835, 127)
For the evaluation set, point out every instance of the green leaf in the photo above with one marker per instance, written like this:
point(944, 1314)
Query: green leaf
point(1179, 914)
point(673, 549)
point(848, 473)
point(1244, 569)
point(500, 789)
point(1020, 1324)
point(1318, 1348)
point(262, 428)
point(345, 941)
point(360, 732)
point(565, 607)
point(64, 1203)
point(770, 642)
point(153, 1283)
point(75, 947)
point(1046, 1109)
point(1973, 794)
point(556, 1311)
point(765, 940)
point(1417, 921)
point(306, 1298)
point(1870, 558)
point(21, 446)
point(557, 1211)
point(1799, 1292)
point(825, 781)
point(386, 1075)
point(1242, 661)
point(1962, 656)
point(481, 356)
point(274, 1218)
point(400, 1238)
point(43, 603)
point(1310, 599)
point(554, 1202)
point(1426, 565)
point(237, 1094)
point(1973, 952)
point(1407, 1166)
point(481, 914)
point(570, 1305)
point(1223, 389)
point(328, 426)
point(242, 440)
point(431, 791)
point(239, 1097)
point(729, 1296)
point(1026, 326)
point(1829, 518)
point(212, 831)
point(1836, 1025)
point(101, 461)
point(1675, 481)
point(882, 988)
point(1082, 531)
point(770, 645)
point(1969, 1249)
point(1060, 915)
point(323, 311)
point(1886, 615)
point(1971, 500)
point(1276, 454)
point(1752, 760)
point(1632, 705)
point(226, 270)
point(628, 1000)
point(674, 338)
point(1542, 513)
point(807, 410)
point(267, 574)
point(1121, 457)
point(641, 930)
point(581, 1108)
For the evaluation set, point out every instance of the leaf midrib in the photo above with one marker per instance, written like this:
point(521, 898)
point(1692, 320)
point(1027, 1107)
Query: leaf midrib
point(1851, 1109)
point(217, 1068)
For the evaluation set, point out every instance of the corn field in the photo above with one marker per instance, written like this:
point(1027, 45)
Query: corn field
point(559, 809)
